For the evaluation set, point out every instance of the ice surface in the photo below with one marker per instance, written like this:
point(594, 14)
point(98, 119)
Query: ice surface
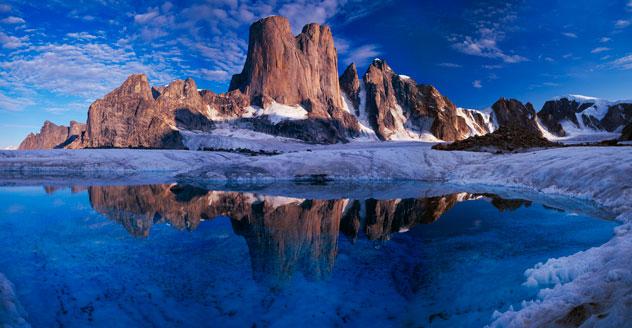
point(12, 315)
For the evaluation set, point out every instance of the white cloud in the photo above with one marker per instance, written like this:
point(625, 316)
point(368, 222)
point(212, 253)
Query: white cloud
point(360, 55)
point(449, 65)
point(477, 84)
point(81, 36)
point(622, 23)
point(12, 20)
point(624, 63)
point(486, 45)
point(12, 42)
point(491, 24)
point(599, 50)
point(570, 35)
point(605, 39)
point(83, 70)
point(13, 104)
point(212, 75)
point(4, 8)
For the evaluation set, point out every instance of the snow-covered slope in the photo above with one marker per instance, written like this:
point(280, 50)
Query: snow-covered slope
point(584, 119)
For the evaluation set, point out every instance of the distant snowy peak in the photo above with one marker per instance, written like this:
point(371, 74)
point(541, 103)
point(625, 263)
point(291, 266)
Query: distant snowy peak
point(572, 115)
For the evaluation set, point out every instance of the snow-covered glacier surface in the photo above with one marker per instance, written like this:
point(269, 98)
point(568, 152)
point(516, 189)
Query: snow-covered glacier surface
point(279, 255)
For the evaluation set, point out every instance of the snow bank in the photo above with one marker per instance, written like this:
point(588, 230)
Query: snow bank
point(591, 288)
point(277, 113)
point(11, 312)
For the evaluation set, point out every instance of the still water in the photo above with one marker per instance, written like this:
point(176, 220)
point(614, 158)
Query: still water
point(184, 256)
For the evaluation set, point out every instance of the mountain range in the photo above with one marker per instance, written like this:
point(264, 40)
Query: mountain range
point(289, 88)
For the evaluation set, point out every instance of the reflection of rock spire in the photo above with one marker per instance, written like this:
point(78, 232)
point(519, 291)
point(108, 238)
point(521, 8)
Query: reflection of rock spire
point(292, 237)
point(284, 235)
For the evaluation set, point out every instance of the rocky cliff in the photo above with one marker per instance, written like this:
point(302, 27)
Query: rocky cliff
point(300, 71)
point(627, 133)
point(514, 115)
point(580, 113)
point(399, 108)
point(52, 136)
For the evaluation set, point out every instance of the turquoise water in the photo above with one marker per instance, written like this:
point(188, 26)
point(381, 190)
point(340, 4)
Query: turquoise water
point(175, 255)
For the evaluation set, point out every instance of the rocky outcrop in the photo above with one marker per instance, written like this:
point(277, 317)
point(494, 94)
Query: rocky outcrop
point(350, 86)
point(296, 70)
point(52, 136)
point(626, 135)
point(129, 118)
point(503, 140)
point(511, 114)
point(399, 108)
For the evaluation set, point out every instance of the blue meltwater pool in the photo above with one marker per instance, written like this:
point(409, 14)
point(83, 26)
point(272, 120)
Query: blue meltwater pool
point(183, 256)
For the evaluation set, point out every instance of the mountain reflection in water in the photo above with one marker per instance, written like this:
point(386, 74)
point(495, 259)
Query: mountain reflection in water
point(283, 234)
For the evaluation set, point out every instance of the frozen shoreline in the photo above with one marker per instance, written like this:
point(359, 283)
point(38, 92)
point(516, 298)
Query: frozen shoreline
point(567, 285)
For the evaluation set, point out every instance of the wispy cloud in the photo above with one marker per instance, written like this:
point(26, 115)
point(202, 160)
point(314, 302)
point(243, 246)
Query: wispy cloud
point(12, 20)
point(570, 35)
point(86, 70)
point(489, 33)
point(623, 63)
point(81, 36)
point(477, 84)
point(449, 65)
point(13, 104)
point(599, 50)
point(621, 23)
point(12, 42)
point(362, 54)
point(605, 39)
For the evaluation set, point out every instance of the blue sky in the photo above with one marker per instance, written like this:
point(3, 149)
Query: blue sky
point(59, 56)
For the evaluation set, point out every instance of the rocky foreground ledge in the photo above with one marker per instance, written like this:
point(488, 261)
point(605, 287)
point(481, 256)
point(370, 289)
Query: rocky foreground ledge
point(592, 287)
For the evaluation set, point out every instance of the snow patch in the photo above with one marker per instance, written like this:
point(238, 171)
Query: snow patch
point(366, 132)
point(277, 113)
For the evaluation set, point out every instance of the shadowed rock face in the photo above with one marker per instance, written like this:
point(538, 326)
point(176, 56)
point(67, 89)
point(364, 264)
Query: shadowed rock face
point(350, 86)
point(618, 116)
point(399, 108)
point(284, 235)
point(627, 133)
point(514, 115)
point(53, 136)
point(556, 111)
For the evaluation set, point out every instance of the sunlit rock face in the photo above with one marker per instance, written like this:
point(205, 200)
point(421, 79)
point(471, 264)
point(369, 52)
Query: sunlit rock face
point(52, 136)
point(399, 109)
point(296, 70)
